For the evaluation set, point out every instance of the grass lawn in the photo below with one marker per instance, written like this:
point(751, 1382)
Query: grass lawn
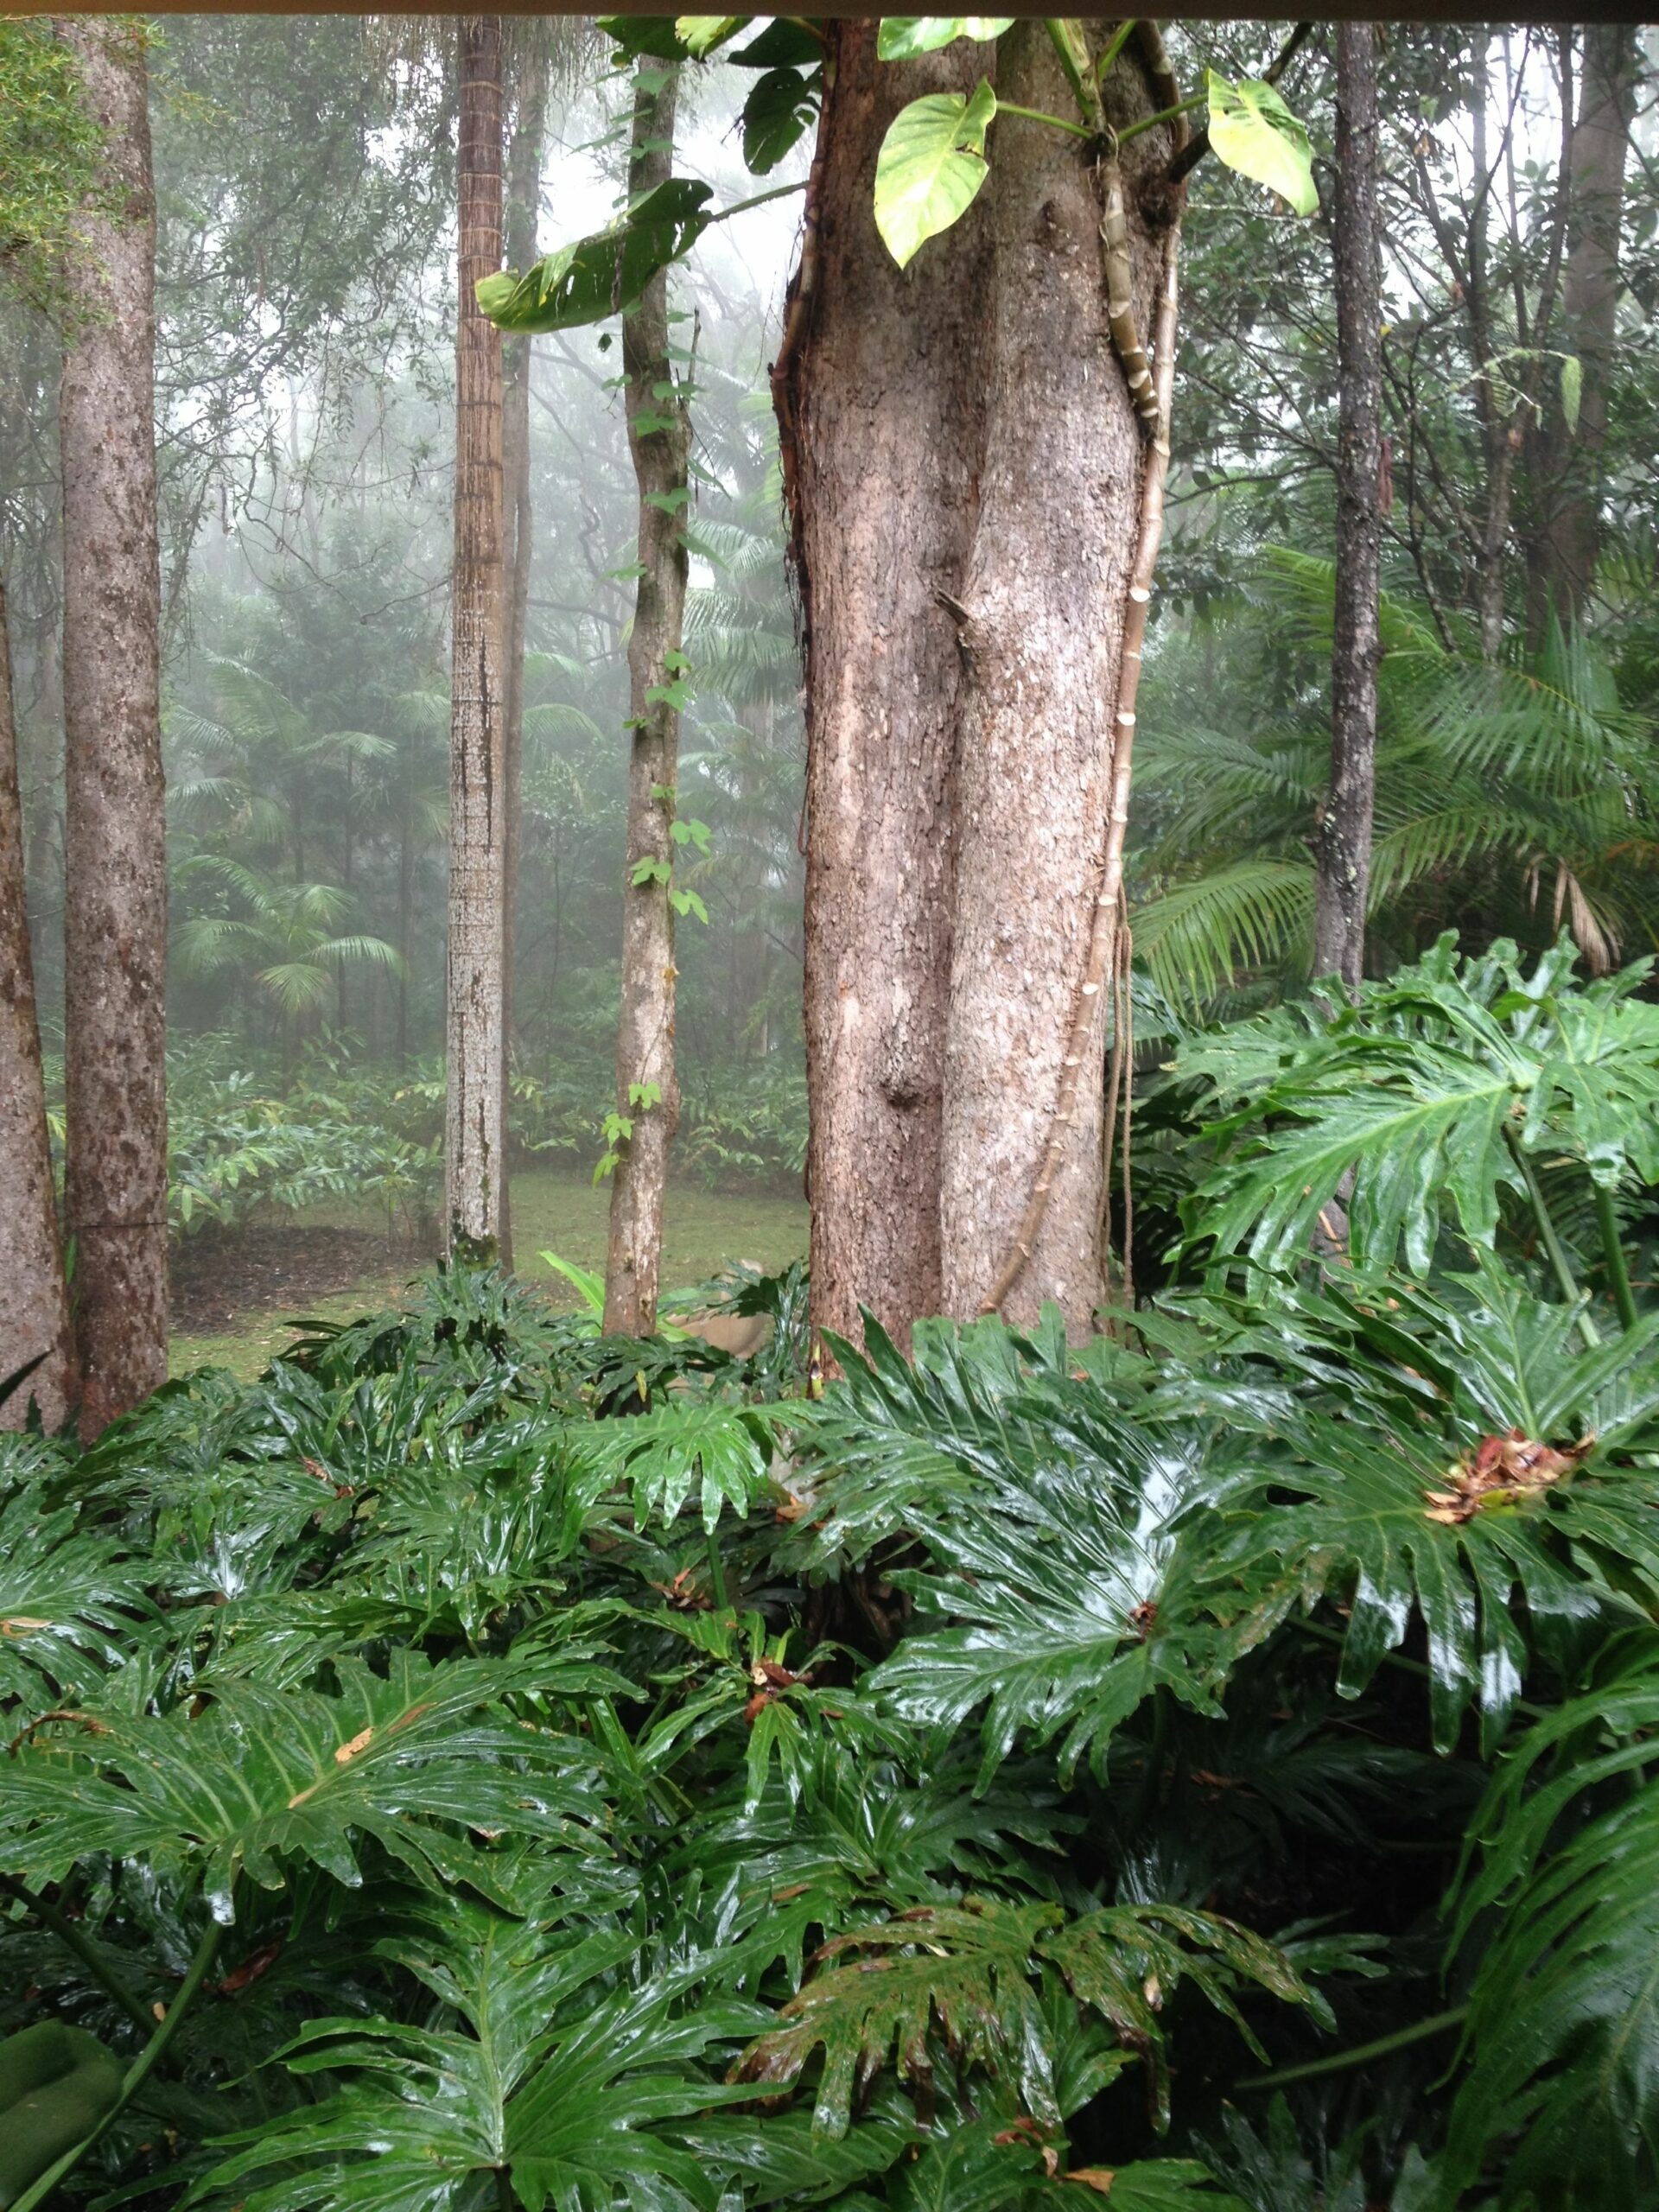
point(552, 1211)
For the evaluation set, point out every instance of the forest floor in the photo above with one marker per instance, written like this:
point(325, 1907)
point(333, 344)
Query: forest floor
point(235, 1297)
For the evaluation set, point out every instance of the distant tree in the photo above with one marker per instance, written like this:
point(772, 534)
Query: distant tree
point(475, 1140)
point(115, 923)
point(659, 435)
point(34, 1318)
point(1342, 841)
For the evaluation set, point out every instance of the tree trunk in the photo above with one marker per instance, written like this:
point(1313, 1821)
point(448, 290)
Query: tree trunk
point(115, 923)
point(660, 436)
point(1343, 847)
point(879, 390)
point(523, 206)
point(33, 1302)
point(1574, 459)
point(475, 1163)
point(1045, 601)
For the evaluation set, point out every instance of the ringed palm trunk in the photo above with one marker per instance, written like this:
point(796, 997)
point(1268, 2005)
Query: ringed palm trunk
point(879, 387)
point(1039, 798)
point(659, 437)
point(1342, 847)
point(475, 1161)
point(114, 921)
point(33, 1301)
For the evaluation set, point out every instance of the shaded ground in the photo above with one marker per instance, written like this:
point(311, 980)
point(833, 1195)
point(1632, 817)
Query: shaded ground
point(233, 1298)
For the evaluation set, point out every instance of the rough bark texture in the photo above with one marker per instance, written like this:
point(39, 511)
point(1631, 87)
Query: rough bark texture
point(524, 195)
point(659, 437)
point(115, 923)
point(881, 391)
point(1045, 599)
point(475, 1154)
point(1572, 535)
point(34, 1303)
point(1343, 847)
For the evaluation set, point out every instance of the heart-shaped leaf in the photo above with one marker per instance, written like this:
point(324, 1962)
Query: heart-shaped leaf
point(600, 275)
point(1253, 132)
point(901, 37)
point(931, 167)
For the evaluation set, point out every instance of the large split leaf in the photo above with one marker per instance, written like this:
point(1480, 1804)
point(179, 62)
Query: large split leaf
point(262, 1778)
point(931, 167)
point(968, 1978)
point(68, 1602)
point(1564, 2022)
point(605, 273)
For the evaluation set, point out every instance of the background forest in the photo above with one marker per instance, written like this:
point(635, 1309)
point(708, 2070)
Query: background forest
point(1150, 1699)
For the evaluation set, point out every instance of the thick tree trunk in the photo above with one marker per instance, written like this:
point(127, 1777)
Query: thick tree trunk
point(115, 925)
point(879, 386)
point(474, 1158)
point(524, 196)
point(1574, 459)
point(1045, 604)
point(1343, 847)
point(659, 435)
point(33, 1302)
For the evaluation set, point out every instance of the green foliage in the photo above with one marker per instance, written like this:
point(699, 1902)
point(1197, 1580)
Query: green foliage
point(1253, 131)
point(603, 274)
point(49, 154)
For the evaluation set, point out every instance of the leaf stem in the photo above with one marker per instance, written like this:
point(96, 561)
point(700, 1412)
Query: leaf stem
point(1552, 1242)
point(1113, 45)
point(760, 199)
point(1619, 1274)
point(74, 1939)
point(1164, 115)
point(1036, 114)
point(136, 2074)
point(1361, 2055)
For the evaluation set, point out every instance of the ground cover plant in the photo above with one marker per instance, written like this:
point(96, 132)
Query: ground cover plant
point(484, 1761)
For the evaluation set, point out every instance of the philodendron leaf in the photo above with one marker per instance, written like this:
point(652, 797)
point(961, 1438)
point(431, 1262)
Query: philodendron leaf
point(700, 35)
point(931, 167)
point(777, 110)
point(1253, 132)
point(901, 37)
point(606, 272)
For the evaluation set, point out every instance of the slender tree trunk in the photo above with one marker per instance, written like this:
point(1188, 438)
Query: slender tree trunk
point(405, 916)
point(33, 1302)
point(879, 389)
point(1343, 847)
point(1574, 459)
point(1045, 604)
point(659, 435)
point(476, 1162)
point(115, 926)
point(523, 206)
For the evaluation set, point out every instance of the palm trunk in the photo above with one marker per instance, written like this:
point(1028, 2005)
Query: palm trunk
point(33, 1301)
point(475, 1160)
point(879, 390)
point(115, 923)
point(522, 206)
point(1343, 849)
point(1574, 459)
point(659, 435)
point(1046, 734)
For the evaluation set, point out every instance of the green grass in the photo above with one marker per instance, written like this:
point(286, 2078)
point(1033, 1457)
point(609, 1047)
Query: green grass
point(552, 1211)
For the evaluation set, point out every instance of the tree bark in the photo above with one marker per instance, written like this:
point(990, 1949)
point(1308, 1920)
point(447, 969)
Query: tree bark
point(115, 923)
point(474, 1157)
point(1045, 604)
point(879, 389)
point(1574, 459)
point(1343, 845)
point(659, 437)
point(523, 194)
point(33, 1301)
